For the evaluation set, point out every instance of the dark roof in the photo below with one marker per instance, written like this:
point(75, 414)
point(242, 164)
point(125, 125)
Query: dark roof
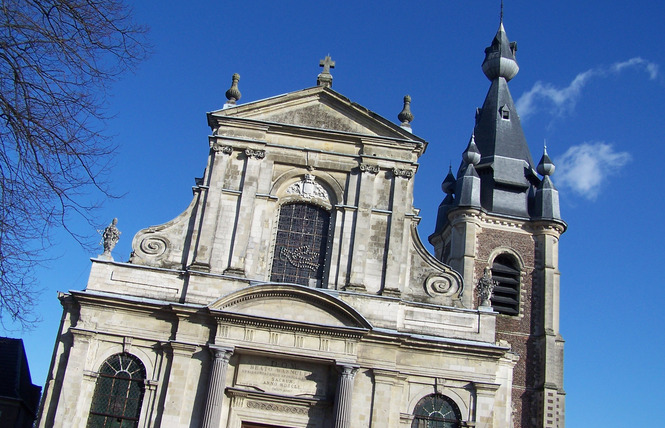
point(496, 136)
point(16, 382)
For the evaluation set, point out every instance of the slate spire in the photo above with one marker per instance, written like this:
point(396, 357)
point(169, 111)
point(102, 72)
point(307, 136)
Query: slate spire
point(506, 168)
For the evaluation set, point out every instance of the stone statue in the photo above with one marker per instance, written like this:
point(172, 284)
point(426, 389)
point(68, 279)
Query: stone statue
point(110, 237)
point(485, 288)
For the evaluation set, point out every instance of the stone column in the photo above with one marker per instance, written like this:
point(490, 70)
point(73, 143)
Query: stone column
point(343, 400)
point(213, 409)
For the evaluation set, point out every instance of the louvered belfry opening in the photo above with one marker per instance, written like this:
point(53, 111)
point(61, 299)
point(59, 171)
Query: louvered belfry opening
point(300, 246)
point(506, 295)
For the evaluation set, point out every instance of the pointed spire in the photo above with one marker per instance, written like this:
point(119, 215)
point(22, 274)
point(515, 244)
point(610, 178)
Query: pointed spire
point(233, 94)
point(325, 78)
point(467, 186)
point(405, 116)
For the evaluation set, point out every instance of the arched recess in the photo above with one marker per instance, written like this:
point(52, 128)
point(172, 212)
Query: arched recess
point(461, 400)
point(291, 303)
point(119, 392)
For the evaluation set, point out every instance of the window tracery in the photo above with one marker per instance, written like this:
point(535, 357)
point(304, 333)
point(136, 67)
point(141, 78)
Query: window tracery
point(118, 394)
point(300, 244)
point(436, 411)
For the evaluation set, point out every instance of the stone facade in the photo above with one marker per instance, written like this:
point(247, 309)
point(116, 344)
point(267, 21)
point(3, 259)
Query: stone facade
point(367, 324)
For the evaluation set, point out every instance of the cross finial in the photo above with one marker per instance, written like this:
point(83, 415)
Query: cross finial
point(327, 63)
point(325, 78)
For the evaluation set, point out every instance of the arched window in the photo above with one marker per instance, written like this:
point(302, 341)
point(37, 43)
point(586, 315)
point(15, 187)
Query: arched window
point(300, 247)
point(118, 393)
point(506, 295)
point(436, 411)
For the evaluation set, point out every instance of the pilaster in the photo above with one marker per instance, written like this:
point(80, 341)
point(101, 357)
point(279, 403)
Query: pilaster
point(361, 232)
point(209, 205)
point(386, 398)
point(243, 229)
point(70, 408)
point(180, 391)
point(484, 408)
point(465, 227)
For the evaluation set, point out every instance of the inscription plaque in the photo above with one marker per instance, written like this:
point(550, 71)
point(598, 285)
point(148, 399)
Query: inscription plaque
point(282, 376)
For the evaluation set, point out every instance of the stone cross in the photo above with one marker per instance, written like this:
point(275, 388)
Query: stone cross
point(327, 63)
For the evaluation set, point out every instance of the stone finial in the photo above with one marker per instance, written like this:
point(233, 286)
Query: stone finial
point(545, 166)
point(110, 237)
point(405, 116)
point(233, 94)
point(448, 185)
point(471, 155)
point(325, 78)
point(485, 288)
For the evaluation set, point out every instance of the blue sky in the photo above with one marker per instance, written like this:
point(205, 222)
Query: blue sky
point(591, 83)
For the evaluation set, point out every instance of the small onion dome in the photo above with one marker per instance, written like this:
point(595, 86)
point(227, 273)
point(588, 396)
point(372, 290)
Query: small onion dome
point(545, 166)
point(500, 57)
point(233, 94)
point(405, 116)
point(448, 185)
point(471, 155)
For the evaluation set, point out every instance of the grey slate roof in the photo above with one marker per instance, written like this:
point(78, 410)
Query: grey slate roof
point(496, 136)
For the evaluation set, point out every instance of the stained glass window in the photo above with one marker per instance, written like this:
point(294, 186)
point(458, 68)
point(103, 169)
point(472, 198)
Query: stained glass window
point(118, 393)
point(436, 411)
point(300, 246)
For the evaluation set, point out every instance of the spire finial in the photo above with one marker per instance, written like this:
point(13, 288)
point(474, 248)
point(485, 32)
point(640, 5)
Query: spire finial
point(500, 55)
point(405, 116)
point(325, 78)
point(545, 166)
point(471, 155)
point(233, 94)
point(448, 185)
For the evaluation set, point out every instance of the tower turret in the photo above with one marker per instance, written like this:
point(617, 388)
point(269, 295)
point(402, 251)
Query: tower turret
point(500, 218)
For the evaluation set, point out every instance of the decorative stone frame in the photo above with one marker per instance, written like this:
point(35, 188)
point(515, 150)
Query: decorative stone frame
point(334, 196)
point(150, 384)
point(464, 407)
point(521, 266)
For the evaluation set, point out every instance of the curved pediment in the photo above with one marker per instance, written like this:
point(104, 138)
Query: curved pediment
point(291, 303)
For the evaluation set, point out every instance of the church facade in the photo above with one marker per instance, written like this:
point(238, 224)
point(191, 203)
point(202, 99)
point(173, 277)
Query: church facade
point(294, 290)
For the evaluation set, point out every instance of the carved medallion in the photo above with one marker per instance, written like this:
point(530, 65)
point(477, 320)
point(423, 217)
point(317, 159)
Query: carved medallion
point(308, 188)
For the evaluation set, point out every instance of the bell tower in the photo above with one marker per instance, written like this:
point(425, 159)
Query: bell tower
point(501, 214)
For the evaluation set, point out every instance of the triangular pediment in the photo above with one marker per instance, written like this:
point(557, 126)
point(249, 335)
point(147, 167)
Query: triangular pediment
point(293, 304)
point(318, 108)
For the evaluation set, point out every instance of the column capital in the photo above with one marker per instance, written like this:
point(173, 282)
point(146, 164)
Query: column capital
point(348, 370)
point(221, 352)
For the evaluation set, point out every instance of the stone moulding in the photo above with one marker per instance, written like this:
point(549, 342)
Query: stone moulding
point(309, 296)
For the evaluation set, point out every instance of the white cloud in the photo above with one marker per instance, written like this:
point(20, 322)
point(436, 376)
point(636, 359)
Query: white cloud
point(585, 168)
point(564, 99)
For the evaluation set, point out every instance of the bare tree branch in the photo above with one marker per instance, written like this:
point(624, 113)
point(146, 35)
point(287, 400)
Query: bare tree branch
point(57, 59)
